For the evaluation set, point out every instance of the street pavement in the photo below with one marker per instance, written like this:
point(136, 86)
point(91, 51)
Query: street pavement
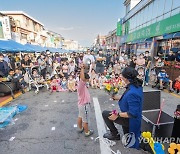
point(48, 126)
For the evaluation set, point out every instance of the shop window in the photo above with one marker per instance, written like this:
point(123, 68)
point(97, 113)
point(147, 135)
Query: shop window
point(175, 11)
point(175, 4)
point(24, 36)
point(167, 15)
point(140, 18)
point(145, 14)
point(154, 9)
point(135, 21)
point(150, 9)
point(130, 23)
point(160, 9)
point(167, 6)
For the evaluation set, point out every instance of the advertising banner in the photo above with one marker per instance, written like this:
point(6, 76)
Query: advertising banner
point(6, 28)
point(1, 30)
point(169, 25)
point(119, 29)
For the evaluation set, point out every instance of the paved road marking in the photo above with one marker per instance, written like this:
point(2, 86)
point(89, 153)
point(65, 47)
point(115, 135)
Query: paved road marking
point(173, 94)
point(53, 128)
point(75, 125)
point(100, 126)
point(12, 138)
point(5, 102)
point(16, 119)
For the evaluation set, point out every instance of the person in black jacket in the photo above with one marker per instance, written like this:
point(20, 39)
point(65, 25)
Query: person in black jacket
point(4, 68)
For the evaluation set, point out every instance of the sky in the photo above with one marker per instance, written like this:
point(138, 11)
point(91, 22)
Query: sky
point(80, 20)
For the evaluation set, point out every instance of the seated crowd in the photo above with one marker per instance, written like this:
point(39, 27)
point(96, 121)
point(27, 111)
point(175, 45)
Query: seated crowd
point(61, 71)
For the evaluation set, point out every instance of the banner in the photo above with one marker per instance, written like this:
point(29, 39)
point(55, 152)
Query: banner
point(169, 25)
point(119, 29)
point(6, 27)
point(1, 30)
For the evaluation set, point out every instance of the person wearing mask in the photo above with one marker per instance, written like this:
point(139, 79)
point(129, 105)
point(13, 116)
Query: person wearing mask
point(12, 61)
point(26, 64)
point(148, 60)
point(115, 57)
point(4, 68)
point(88, 59)
point(133, 61)
point(80, 59)
point(108, 58)
point(49, 62)
point(130, 104)
point(171, 56)
point(178, 56)
point(14, 79)
point(158, 65)
point(122, 60)
point(42, 62)
point(100, 58)
point(140, 62)
point(57, 57)
point(6, 58)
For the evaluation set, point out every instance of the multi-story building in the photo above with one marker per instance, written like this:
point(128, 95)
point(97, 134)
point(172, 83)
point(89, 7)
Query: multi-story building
point(99, 42)
point(112, 40)
point(54, 39)
point(152, 25)
point(70, 45)
point(1, 27)
point(26, 29)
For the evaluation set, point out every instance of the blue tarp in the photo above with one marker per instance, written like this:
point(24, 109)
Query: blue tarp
point(53, 49)
point(7, 113)
point(59, 50)
point(35, 48)
point(12, 46)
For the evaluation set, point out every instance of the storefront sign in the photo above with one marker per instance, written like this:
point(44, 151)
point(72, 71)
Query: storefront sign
point(6, 28)
point(1, 30)
point(119, 29)
point(169, 25)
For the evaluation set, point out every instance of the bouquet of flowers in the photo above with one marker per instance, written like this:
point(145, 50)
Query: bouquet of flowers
point(112, 90)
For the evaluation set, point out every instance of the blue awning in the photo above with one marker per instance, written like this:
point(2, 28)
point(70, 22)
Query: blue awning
point(176, 35)
point(142, 41)
point(36, 48)
point(53, 49)
point(168, 36)
point(12, 46)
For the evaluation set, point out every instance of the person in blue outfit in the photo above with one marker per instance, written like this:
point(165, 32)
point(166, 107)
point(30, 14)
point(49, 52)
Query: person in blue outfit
point(130, 104)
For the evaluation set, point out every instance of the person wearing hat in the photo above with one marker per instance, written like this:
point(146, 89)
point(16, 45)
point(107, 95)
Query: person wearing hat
point(130, 104)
